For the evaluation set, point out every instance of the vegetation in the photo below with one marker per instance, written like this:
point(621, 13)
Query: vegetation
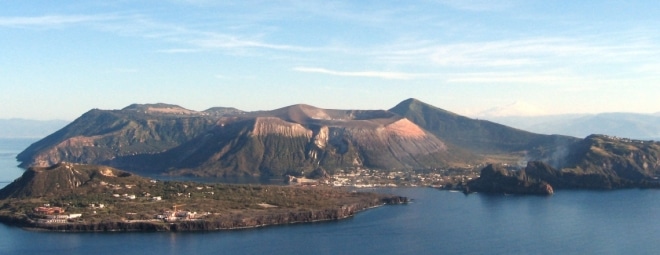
point(106, 196)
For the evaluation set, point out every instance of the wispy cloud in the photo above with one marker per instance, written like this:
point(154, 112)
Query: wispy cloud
point(139, 25)
point(551, 53)
point(368, 74)
point(229, 41)
point(194, 40)
point(564, 80)
point(179, 50)
point(512, 77)
point(478, 5)
point(51, 20)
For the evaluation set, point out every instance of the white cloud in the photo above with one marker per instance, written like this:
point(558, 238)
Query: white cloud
point(228, 41)
point(369, 74)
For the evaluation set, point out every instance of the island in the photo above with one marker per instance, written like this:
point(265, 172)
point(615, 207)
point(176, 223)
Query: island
point(71, 197)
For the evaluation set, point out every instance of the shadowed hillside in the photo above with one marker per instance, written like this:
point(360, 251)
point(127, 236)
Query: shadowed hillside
point(482, 136)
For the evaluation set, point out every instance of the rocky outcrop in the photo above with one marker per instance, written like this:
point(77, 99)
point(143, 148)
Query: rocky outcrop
point(497, 179)
point(541, 178)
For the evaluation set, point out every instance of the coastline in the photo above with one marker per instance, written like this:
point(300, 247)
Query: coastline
point(221, 223)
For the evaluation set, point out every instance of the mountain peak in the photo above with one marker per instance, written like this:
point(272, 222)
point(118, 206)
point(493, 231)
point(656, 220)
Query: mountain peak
point(413, 109)
point(410, 103)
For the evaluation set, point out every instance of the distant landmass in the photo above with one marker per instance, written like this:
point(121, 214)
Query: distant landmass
point(629, 125)
point(25, 128)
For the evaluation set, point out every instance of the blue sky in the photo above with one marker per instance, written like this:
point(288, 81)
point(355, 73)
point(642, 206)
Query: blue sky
point(62, 58)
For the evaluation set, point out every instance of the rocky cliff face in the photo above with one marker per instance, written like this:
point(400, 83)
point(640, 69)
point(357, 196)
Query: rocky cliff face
point(497, 179)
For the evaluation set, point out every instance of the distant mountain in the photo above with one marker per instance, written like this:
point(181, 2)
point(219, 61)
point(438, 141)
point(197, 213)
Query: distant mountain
point(25, 128)
point(629, 125)
point(513, 109)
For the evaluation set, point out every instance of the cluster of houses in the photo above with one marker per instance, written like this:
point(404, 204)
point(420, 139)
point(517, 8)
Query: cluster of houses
point(51, 214)
point(171, 216)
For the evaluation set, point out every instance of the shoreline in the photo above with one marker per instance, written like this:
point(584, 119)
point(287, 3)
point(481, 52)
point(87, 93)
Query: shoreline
point(203, 225)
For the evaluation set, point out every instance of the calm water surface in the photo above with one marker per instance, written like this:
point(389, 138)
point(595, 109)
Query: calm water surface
point(438, 222)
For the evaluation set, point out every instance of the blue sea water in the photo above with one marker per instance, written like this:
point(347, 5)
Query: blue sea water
point(437, 222)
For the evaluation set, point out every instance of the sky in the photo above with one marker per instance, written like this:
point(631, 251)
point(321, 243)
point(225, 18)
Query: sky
point(59, 59)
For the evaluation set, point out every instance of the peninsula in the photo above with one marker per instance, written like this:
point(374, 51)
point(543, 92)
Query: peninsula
point(88, 198)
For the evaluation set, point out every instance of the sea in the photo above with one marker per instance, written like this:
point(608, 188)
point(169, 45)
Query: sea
point(436, 222)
